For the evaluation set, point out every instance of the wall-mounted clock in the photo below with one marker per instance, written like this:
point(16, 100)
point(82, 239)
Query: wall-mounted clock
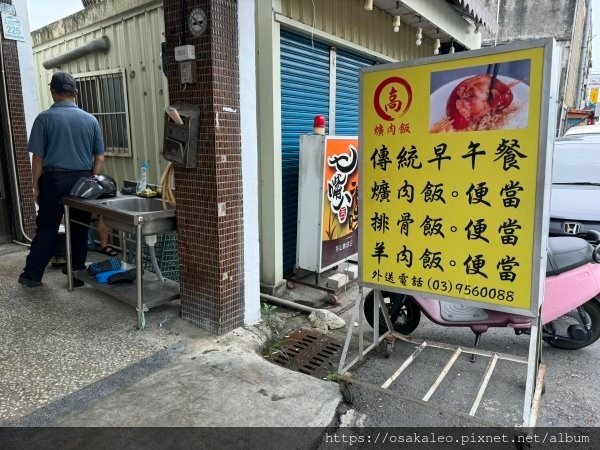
point(198, 22)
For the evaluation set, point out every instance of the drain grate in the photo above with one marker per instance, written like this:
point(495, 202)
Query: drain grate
point(309, 352)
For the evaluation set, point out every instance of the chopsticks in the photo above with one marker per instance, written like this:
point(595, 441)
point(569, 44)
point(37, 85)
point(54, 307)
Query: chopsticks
point(494, 69)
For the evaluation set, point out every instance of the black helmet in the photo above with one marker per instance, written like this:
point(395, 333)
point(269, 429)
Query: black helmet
point(94, 187)
point(109, 185)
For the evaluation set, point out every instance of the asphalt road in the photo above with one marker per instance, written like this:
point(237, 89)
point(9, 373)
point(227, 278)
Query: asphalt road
point(572, 397)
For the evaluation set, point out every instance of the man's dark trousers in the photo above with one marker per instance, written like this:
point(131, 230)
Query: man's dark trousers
point(52, 187)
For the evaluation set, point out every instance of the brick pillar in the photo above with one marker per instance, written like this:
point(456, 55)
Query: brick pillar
point(209, 197)
point(19, 131)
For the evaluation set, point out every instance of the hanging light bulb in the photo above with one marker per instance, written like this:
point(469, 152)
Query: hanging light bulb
point(452, 49)
point(368, 5)
point(437, 44)
point(419, 40)
point(397, 20)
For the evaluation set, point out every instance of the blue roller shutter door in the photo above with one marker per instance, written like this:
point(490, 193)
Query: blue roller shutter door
point(304, 94)
point(346, 96)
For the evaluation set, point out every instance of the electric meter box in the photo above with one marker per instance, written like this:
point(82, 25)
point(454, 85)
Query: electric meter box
point(181, 141)
point(327, 231)
point(185, 53)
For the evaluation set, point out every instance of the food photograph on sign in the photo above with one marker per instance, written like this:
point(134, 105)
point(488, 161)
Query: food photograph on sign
point(480, 98)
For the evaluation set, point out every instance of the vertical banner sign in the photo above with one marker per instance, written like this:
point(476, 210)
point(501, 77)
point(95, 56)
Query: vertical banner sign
point(453, 174)
point(339, 224)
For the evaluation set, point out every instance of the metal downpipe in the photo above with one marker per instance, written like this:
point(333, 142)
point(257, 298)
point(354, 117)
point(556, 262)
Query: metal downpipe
point(287, 304)
point(11, 150)
point(154, 261)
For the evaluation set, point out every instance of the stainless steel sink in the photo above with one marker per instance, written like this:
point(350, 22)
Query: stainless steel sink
point(135, 204)
point(124, 213)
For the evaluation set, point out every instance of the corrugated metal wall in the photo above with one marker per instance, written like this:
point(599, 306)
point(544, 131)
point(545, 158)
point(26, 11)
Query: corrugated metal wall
point(348, 20)
point(304, 93)
point(305, 81)
point(347, 92)
point(136, 47)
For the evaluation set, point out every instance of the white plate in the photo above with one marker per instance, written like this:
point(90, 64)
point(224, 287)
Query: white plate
point(439, 100)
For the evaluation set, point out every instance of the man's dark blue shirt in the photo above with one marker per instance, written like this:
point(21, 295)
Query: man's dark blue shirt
point(66, 137)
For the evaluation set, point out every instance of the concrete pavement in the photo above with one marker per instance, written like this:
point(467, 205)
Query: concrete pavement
point(76, 359)
point(215, 385)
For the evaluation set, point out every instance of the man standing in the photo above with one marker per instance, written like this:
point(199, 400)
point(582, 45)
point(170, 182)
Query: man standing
point(66, 143)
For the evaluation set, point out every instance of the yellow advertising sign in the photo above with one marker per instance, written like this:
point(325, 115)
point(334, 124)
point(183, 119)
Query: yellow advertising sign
point(594, 95)
point(449, 177)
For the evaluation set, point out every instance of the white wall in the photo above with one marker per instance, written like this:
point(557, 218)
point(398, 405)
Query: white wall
point(28, 78)
point(247, 54)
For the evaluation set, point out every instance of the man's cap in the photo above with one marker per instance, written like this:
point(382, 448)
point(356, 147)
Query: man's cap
point(63, 82)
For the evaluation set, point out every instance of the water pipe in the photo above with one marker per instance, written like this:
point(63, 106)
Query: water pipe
point(10, 151)
point(287, 304)
point(151, 242)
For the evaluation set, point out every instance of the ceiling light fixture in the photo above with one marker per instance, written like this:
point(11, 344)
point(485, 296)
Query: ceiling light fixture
point(437, 44)
point(397, 21)
point(419, 40)
point(368, 5)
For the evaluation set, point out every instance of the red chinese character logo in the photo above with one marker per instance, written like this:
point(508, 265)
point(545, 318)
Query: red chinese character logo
point(394, 103)
point(392, 98)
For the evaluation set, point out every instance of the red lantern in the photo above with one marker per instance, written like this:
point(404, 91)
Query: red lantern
point(319, 125)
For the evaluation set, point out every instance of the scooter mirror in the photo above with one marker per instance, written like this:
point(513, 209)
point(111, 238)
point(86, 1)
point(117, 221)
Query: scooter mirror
point(596, 254)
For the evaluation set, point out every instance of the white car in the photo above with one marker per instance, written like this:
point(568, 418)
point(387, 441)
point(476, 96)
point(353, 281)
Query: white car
point(583, 129)
point(575, 201)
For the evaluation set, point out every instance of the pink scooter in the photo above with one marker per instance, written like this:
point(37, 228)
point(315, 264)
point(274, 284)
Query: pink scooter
point(570, 311)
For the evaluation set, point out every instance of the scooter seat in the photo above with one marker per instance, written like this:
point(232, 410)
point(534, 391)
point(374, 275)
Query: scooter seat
point(566, 253)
